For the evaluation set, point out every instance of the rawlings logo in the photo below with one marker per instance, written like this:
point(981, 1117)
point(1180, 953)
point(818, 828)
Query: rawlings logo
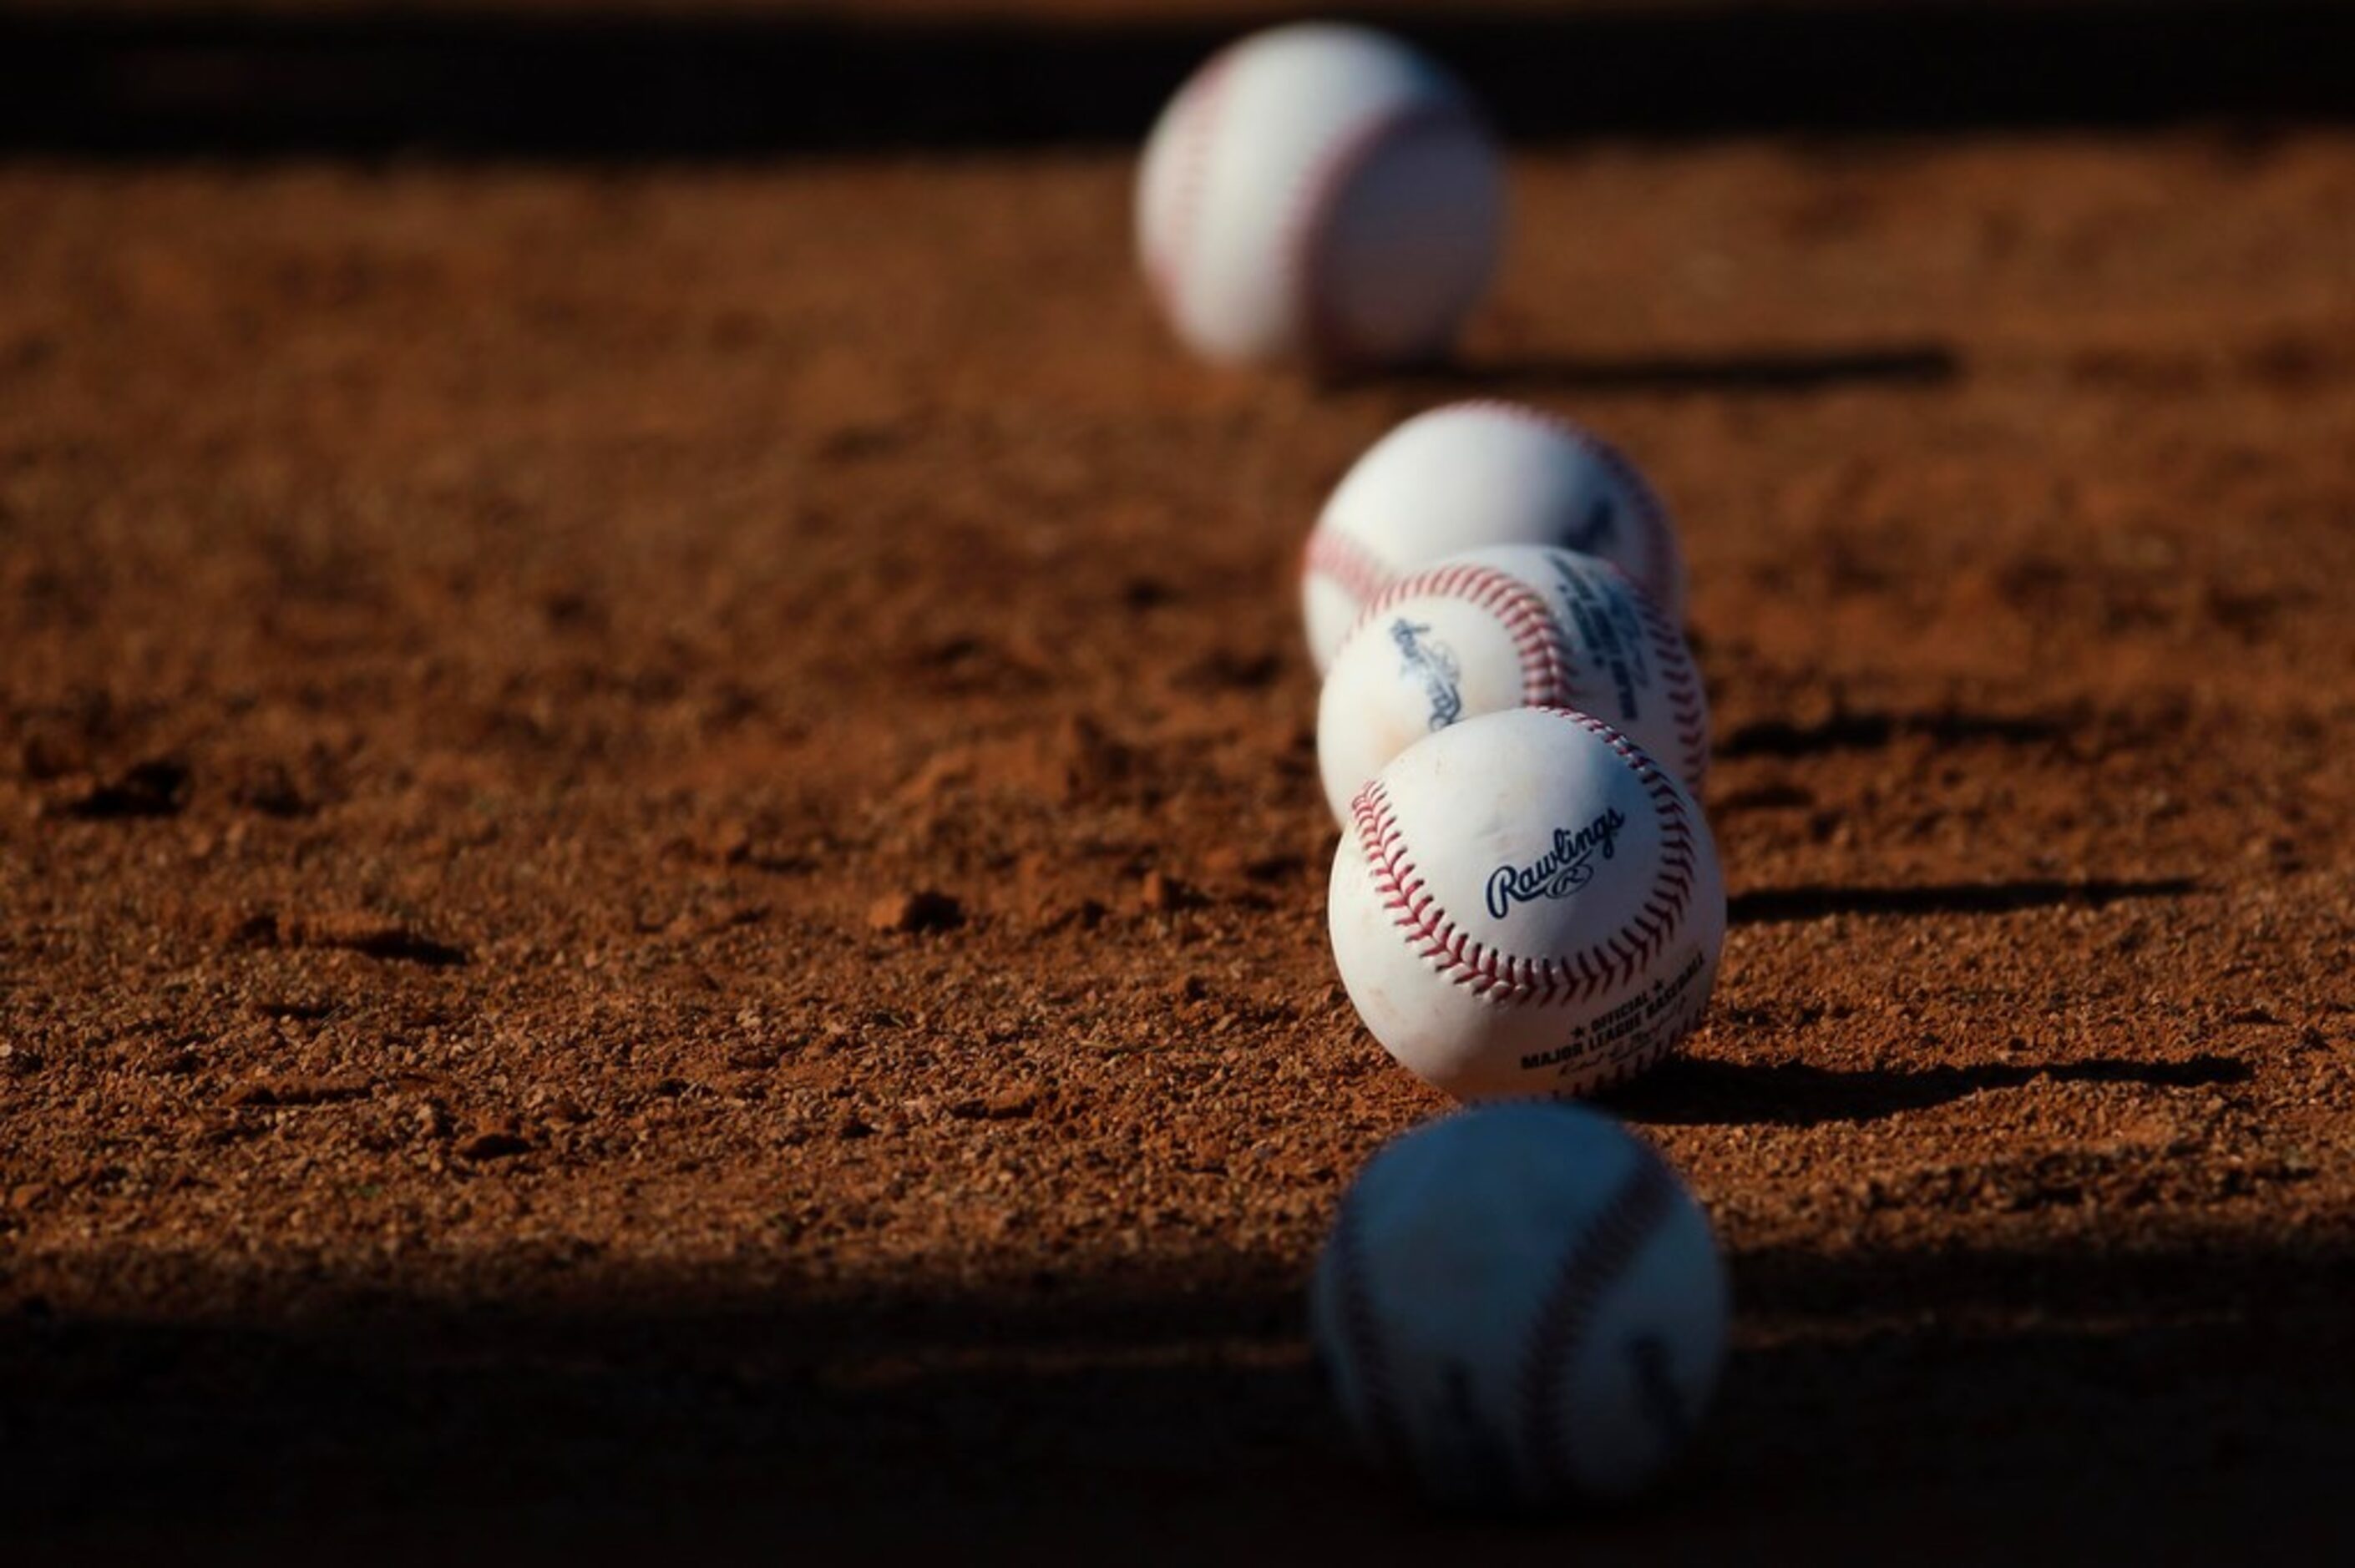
point(1434, 665)
point(1561, 871)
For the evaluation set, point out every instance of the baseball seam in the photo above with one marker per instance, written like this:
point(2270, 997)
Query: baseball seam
point(1191, 155)
point(1596, 1259)
point(1347, 565)
point(1495, 976)
point(1519, 609)
point(1659, 532)
point(1309, 233)
point(1680, 685)
point(1361, 1336)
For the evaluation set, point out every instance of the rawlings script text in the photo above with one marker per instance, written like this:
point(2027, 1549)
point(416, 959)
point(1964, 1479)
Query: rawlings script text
point(1561, 871)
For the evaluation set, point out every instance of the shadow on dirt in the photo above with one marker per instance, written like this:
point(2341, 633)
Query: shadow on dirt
point(1689, 1090)
point(1768, 906)
point(1873, 729)
point(1786, 371)
point(2169, 1387)
point(551, 84)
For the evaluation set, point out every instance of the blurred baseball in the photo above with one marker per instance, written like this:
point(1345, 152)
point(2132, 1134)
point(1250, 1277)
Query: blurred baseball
point(1506, 627)
point(1319, 193)
point(1471, 474)
point(1521, 1305)
point(1527, 903)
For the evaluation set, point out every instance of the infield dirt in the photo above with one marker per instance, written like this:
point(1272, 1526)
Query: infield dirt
point(662, 879)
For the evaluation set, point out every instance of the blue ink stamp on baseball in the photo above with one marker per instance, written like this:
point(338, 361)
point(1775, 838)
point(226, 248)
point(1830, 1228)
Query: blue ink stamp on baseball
point(1434, 664)
point(1562, 871)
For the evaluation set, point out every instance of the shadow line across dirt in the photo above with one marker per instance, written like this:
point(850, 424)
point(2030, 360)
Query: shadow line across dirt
point(1695, 1090)
point(1761, 371)
point(1769, 905)
point(1870, 730)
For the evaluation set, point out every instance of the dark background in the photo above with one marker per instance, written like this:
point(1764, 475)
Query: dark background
point(454, 83)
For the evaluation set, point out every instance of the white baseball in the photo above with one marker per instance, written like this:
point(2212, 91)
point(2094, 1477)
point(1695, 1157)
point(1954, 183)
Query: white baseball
point(1319, 193)
point(1521, 1305)
point(1502, 628)
point(1471, 475)
point(1526, 903)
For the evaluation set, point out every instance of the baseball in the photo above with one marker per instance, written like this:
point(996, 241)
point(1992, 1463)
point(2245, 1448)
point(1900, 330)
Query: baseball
point(1521, 1305)
point(1323, 193)
point(1473, 474)
point(1526, 903)
point(1503, 627)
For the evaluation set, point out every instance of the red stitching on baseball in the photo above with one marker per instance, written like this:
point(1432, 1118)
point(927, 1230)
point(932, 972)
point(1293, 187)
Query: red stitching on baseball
point(1351, 567)
point(1596, 1259)
point(1659, 534)
point(1166, 271)
point(1687, 706)
point(1311, 231)
point(1519, 609)
point(1617, 960)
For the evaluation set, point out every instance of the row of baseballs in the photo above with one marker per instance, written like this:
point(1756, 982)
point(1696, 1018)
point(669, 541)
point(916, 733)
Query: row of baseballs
point(1518, 1303)
point(1526, 899)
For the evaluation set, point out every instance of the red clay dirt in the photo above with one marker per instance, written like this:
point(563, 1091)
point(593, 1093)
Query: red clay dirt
point(662, 882)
